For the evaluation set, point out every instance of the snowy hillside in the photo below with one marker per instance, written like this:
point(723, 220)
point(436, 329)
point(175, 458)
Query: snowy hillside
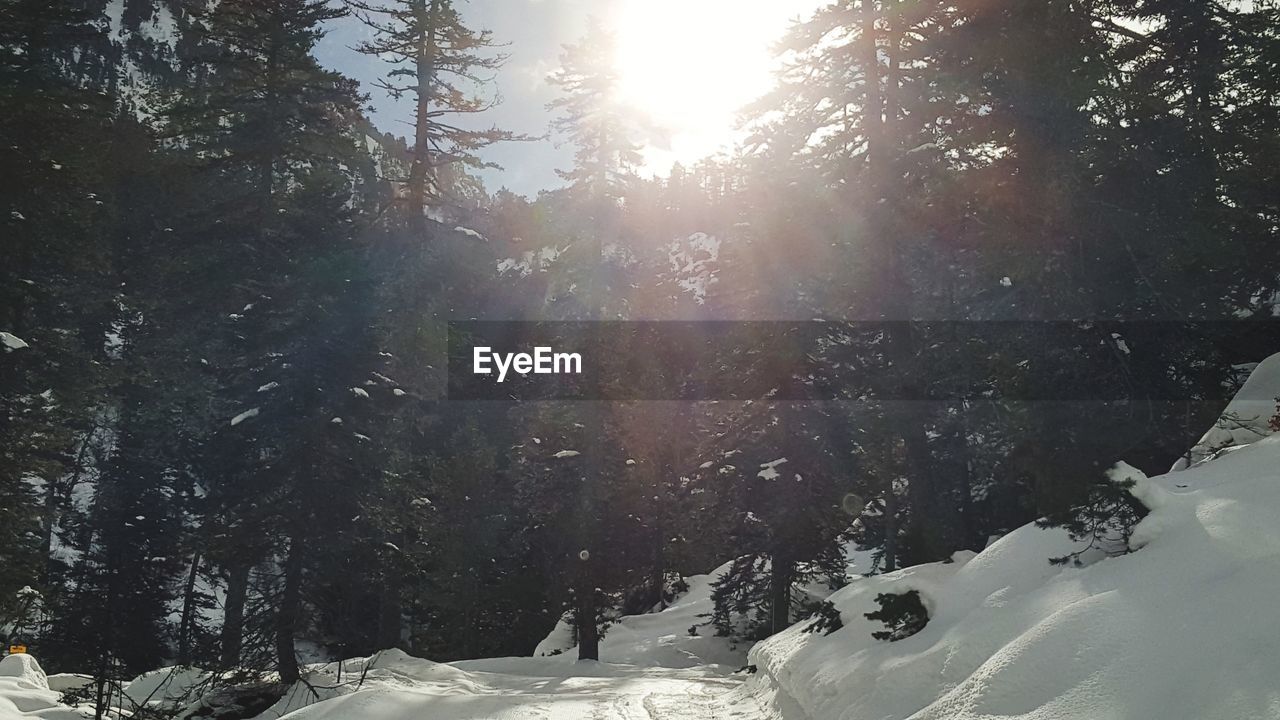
point(1183, 628)
point(1246, 419)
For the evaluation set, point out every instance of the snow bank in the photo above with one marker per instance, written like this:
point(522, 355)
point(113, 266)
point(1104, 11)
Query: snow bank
point(167, 687)
point(387, 669)
point(25, 693)
point(1183, 628)
point(1246, 419)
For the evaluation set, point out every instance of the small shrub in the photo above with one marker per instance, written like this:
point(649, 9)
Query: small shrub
point(825, 619)
point(902, 613)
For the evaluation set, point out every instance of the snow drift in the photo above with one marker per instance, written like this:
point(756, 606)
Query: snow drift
point(1247, 417)
point(1183, 628)
point(25, 693)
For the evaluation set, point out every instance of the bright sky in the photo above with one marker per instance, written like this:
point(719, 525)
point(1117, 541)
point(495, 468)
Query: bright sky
point(689, 65)
point(686, 66)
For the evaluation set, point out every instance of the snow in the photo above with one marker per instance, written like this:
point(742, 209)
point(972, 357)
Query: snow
point(244, 416)
point(769, 470)
point(1182, 628)
point(394, 686)
point(469, 232)
point(692, 262)
point(398, 392)
point(1246, 418)
point(166, 687)
point(359, 392)
point(269, 387)
point(25, 693)
point(69, 682)
point(12, 342)
point(530, 261)
point(1121, 345)
point(566, 454)
point(660, 639)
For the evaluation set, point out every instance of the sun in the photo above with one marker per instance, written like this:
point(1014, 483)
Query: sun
point(690, 65)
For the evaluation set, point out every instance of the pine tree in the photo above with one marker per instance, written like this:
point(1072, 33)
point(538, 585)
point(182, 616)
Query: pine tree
point(269, 128)
point(265, 111)
point(436, 59)
point(592, 116)
point(56, 286)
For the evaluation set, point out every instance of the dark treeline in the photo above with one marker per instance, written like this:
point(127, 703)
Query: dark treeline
point(223, 434)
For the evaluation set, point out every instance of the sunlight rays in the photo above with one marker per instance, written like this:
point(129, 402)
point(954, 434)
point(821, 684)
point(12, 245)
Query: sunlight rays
point(689, 65)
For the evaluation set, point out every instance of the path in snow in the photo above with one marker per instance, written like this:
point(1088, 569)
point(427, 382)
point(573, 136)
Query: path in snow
point(400, 687)
point(653, 695)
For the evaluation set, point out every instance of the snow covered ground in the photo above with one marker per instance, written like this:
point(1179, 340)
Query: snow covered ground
point(660, 639)
point(1182, 629)
point(395, 686)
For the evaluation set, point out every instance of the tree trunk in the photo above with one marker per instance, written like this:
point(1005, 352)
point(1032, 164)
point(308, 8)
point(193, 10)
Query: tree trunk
point(891, 529)
point(188, 612)
point(287, 615)
point(419, 172)
point(928, 543)
point(585, 619)
point(390, 610)
point(781, 571)
point(233, 614)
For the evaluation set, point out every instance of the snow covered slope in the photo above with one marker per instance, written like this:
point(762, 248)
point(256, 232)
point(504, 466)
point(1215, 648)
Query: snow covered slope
point(1246, 419)
point(1184, 628)
point(660, 639)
